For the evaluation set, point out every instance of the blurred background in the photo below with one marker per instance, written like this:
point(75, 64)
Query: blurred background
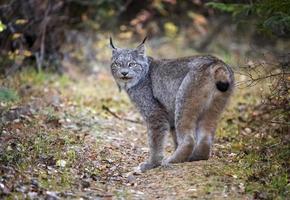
point(51, 33)
point(67, 132)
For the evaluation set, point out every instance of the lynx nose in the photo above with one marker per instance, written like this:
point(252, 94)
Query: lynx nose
point(124, 73)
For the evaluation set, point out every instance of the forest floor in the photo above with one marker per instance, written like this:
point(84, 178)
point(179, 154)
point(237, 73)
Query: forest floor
point(80, 138)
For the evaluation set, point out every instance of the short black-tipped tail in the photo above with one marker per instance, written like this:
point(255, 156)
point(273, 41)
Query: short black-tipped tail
point(222, 86)
point(222, 76)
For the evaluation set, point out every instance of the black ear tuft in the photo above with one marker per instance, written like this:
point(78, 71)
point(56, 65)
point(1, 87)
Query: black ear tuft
point(142, 43)
point(141, 47)
point(222, 86)
point(144, 40)
point(111, 43)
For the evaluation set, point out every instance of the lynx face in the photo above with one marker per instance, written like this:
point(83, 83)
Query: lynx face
point(129, 66)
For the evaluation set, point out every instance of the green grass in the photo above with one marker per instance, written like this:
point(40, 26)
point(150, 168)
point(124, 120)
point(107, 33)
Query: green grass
point(8, 95)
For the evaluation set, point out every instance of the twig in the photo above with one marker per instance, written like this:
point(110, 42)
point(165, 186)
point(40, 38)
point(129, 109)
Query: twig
point(253, 81)
point(118, 117)
point(269, 76)
point(42, 46)
point(111, 112)
point(282, 123)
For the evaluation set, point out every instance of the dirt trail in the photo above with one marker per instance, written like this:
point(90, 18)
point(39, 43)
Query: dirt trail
point(202, 179)
point(84, 140)
point(179, 181)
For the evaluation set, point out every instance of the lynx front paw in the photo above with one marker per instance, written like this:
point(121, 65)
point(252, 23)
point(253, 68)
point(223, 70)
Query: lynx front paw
point(146, 166)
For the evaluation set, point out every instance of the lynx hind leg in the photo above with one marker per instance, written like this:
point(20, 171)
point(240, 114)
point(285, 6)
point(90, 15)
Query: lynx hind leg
point(174, 137)
point(190, 100)
point(206, 126)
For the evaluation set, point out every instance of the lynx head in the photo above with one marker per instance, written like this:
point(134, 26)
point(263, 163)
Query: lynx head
point(129, 66)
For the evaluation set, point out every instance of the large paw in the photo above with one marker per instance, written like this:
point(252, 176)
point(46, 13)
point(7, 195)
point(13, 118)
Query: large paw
point(167, 161)
point(200, 156)
point(145, 166)
point(201, 152)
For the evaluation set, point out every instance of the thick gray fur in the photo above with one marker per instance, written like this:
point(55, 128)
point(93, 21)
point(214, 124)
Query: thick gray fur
point(184, 96)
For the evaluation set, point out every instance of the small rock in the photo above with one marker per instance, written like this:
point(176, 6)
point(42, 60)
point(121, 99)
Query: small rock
point(22, 189)
point(131, 178)
point(145, 150)
point(242, 188)
point(248, 130)
point(139, 193)
point(16, 120)
point(61, 163)
point(32, 195)
point(55, 100)
point(137, 171)
point(4, 189)
point(51, 195)
point(113, 168)
point(34, 182)
point(232, 154)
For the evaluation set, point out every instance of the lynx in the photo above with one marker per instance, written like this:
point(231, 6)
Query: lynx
point(184, 96)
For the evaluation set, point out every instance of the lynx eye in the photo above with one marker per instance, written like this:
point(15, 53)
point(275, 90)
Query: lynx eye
point(116, 65)
point(131, 65)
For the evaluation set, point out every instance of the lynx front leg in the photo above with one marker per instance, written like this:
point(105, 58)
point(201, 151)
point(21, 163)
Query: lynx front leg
point(157, 129)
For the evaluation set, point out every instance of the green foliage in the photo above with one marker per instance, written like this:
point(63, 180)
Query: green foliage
point(2, 26)
point(97, 13)
point(27, 38)
point(272, 16)
point(170, 29)
point(279, 24)
point(234, 9)
point(7, 95)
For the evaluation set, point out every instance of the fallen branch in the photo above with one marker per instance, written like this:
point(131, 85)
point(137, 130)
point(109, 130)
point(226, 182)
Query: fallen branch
point(118, 117)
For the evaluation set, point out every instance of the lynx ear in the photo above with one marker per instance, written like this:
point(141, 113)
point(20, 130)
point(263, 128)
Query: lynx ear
point(141, 48)
point(111, 44)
